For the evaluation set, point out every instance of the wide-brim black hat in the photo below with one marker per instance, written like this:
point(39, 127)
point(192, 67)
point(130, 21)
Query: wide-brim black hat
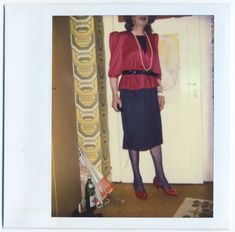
point(128, 18)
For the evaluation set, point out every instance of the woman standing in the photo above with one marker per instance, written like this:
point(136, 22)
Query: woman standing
point(134, 57)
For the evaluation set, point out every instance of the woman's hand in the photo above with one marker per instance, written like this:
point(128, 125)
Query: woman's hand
point(161, 101)
point(116, 103)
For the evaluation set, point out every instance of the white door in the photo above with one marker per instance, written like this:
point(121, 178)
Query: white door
point(179, 49)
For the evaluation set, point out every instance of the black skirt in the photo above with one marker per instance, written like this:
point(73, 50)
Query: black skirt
point(141, 119)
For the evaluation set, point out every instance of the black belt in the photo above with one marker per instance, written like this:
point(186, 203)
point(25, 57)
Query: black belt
point(151, 73)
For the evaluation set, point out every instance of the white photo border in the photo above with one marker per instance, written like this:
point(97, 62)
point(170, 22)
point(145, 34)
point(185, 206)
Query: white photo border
point(24, 167)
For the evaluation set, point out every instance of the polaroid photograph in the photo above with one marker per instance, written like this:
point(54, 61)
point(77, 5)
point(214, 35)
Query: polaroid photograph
point(116, 117)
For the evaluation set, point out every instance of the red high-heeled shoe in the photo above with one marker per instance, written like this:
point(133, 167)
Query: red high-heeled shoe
point(141, 194)
point(169, 192)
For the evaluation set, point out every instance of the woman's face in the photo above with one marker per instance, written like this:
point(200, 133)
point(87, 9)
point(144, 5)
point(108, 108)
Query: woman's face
point(140, 20)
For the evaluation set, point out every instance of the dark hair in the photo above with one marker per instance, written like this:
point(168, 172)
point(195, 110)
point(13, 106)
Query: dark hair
point(129, 24)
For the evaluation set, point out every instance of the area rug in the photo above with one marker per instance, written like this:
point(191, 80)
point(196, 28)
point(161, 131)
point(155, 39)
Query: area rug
point(192, 207)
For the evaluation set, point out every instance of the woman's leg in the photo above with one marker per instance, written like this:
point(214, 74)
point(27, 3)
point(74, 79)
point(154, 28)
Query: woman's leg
point(156, 153)
point(134, 157)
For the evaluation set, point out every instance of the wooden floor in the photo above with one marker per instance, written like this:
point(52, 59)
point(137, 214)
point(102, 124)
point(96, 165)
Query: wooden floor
point(157, 204)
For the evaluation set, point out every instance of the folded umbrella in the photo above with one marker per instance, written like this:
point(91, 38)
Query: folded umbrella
point(103, 187)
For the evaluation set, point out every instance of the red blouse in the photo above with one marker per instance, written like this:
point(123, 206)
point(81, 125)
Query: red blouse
point(125, 56)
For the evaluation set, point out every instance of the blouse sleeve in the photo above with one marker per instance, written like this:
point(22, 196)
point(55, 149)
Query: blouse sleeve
point(116, 54)
point(157, 64)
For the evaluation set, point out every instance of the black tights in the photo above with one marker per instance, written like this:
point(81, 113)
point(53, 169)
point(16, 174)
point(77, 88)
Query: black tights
point(156, 154)
point(134, 157)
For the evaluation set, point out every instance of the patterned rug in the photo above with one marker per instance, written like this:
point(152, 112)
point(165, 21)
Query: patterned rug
point(192, 207)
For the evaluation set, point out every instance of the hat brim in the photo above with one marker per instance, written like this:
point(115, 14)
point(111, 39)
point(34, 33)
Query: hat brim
point(151, 18)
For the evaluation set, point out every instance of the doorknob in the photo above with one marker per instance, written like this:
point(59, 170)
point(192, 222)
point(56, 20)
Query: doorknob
point(192, 83)
point(194, 89)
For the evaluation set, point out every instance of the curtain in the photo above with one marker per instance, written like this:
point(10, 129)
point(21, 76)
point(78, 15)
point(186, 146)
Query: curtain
point(88, 63)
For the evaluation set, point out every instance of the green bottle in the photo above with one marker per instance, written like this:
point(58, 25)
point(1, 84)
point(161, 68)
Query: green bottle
point(90, 195)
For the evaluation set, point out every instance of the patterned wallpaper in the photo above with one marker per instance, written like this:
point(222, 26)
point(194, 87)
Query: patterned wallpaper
point(90, 89)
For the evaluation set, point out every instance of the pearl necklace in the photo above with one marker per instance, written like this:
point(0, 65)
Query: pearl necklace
point(141, 58)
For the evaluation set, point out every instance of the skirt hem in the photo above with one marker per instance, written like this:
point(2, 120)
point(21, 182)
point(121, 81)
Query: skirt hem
point(142, 148)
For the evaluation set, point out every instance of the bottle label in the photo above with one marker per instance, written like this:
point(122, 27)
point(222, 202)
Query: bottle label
point(92, 201)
